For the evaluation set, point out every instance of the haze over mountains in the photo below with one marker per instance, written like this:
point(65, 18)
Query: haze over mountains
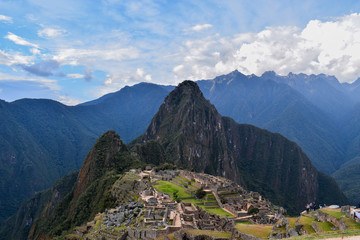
point(41, 140)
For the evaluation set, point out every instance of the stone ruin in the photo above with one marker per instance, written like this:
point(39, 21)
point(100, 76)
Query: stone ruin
point(159, 215)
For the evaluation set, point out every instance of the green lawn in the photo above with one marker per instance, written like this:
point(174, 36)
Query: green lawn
point(184, 179)
point(351, 224)
point(170, 188)
point(292, 221)
point(257, 230)
point(335, 214)
point(208, 233)
point(306, 222)
point(217, 211)
point(192, 200)
point(324, 226)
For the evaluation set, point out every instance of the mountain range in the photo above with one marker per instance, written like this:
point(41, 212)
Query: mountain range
point(42, 140)
point(188, 132)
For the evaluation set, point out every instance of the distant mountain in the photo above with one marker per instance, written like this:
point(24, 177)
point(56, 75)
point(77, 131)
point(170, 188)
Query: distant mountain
point(188, 131)
point(279, 108)
point(42, 140)
point(127, 111)
point(192, 134)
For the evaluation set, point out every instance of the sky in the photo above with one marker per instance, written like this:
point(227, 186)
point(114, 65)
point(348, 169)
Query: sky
point(76, 51)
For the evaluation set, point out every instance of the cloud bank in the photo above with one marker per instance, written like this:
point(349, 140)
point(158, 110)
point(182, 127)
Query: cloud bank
point(329, 47)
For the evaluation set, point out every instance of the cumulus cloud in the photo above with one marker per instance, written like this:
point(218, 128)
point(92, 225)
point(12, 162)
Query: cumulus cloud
point(19, 40)
point(114, 82)
point(68, 100)
point(4, 18)
point(330, 47)
point(51, 32)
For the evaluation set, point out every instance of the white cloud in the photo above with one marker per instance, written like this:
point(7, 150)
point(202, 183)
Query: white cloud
point(49, 83)
point(35, 51)
point(73, 56)
point(329, 47)
point(19, 40)
point(178, 68)
point(4, 18)
point(51, 32)
point(140, 72)
point(76, 75)
point(67, 100)
point(200, 27)
point(14, 58)
point(114, 82)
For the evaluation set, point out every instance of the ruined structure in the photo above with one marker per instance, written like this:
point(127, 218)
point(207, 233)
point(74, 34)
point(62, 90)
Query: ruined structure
point(155, 213)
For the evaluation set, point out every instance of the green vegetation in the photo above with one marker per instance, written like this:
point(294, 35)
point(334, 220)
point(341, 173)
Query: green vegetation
point(193, 201)
point(307, 224)
point(335, 214)
point(217, 210)
point(253, 211)
point(93, 193)
point(170, 188)
point(292, 221)
point(179, 193)
point(324, 226)
point(351, 224)
point(200, 194)
point(215, 234)
point(260, 231)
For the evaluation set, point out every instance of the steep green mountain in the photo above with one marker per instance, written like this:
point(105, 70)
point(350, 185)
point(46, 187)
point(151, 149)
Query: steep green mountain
point(279, 108)
point(348, 178)
point(18, 226)
point(194, 135)
point(91, 192)
point(42, 140)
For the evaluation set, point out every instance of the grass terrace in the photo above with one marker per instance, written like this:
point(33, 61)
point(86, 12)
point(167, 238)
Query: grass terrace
point(335, 213)
point(292, 221)
point(257, 230)
point(214, 234)
point(351, 224)
point(307, 224)
point(324, 226)
point(219, 211)
point(170, 188)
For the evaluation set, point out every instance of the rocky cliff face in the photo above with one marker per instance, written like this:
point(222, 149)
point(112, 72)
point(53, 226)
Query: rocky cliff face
point(194, 135)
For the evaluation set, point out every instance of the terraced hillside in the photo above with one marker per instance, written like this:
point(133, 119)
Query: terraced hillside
point(154, 205)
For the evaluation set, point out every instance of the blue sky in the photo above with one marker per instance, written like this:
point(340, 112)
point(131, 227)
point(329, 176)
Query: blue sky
point(75, 51)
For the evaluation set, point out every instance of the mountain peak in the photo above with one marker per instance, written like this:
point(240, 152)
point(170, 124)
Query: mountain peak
point(187, 87)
